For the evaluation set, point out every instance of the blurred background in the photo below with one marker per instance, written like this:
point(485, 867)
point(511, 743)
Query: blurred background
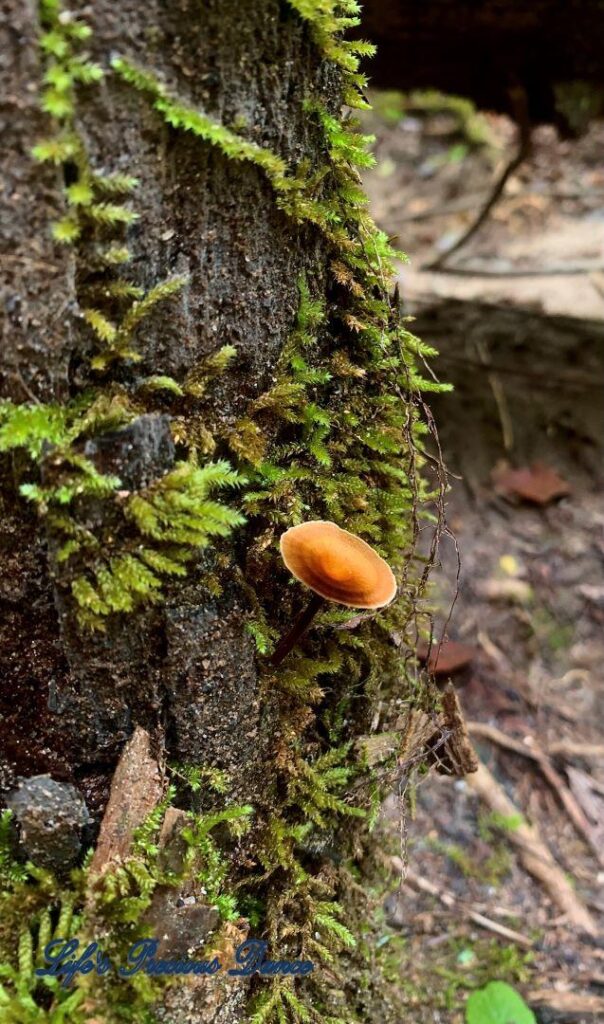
point(497, 194)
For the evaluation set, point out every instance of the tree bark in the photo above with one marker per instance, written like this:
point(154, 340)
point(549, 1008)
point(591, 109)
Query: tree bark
point(189, 667)
point(222, 111)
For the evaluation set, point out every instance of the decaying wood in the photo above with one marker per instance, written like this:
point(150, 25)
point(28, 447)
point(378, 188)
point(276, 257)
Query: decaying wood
point(452, 748)
point(135, 790)
point(376, 749)
point(555, 780)
point(442, 739)
point(448, 900)
point(534, 855)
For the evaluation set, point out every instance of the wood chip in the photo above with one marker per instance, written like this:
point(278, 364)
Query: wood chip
point(136, 789)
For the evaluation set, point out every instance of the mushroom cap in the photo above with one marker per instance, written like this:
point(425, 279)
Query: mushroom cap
point(337, 565)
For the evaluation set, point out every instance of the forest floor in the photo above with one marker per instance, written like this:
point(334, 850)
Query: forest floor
point(525, 353)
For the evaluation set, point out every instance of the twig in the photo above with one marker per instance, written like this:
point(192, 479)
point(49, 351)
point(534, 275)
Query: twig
point(449, 900)
point(468, 202)
point(534, 855)
point(568, 748)
point(555, 780)
point(552, 379)
point(492, 650)
point(524, 148)
point(569, 269)
point(461, 205)
point(39, 264)
point(507, 429)
point(457, 756)
point(583, 1004)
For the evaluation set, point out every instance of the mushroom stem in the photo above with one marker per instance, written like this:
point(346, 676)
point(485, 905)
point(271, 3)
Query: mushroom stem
point(298, 629)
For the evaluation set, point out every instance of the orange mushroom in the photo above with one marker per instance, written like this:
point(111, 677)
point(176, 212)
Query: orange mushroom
point(337, 566)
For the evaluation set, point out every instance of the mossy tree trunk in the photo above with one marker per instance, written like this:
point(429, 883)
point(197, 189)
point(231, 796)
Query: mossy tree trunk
point(186, 671)
point(230, 304)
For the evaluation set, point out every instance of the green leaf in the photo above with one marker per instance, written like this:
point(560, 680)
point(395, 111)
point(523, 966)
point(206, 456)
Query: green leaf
point(498, 1003)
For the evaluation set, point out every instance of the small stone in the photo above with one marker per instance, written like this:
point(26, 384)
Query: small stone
point(185, 922)
point(51, 816)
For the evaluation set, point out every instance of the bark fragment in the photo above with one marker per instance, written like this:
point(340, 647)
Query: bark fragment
point(135, 790)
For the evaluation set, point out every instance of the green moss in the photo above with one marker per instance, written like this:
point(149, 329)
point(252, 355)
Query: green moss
point(186, 119)
point(318, 788)
point(199, 777)
point(163, 526)
point(490, 870)
point(109, 909)
point(392, 106)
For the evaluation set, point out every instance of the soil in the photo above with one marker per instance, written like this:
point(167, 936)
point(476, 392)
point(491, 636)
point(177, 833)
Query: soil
point(526, 357)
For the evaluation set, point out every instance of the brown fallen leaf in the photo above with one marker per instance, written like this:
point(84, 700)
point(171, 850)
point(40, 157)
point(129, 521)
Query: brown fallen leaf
point(447, 658)
point(539, 484)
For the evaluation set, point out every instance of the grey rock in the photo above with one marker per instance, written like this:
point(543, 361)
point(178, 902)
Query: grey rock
point(51, 816)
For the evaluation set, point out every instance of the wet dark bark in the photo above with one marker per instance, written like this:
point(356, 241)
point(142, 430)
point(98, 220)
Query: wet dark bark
point(185, 670)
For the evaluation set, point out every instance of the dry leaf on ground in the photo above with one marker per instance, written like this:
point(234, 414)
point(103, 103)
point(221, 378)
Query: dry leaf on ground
point(539, 484)
point(447, 658)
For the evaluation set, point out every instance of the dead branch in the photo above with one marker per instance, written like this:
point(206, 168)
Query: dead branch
point(555, 780)
point(456, 755)
point(582, 1004)
point(569, 748)
point(522, 153)
point(535, 857)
